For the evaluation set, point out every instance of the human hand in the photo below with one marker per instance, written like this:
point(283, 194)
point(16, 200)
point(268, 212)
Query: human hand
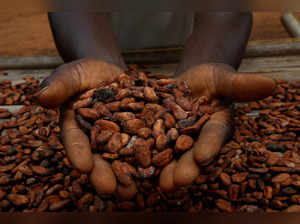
point(57, 90)
point(221, 85)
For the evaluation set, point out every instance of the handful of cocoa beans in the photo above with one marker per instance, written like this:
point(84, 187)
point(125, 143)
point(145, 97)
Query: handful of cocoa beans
point(139, 124)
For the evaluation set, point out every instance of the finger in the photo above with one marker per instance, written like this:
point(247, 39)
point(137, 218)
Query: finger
point(126, 192)
point(244, 87)
point(187, 170)
point(70, 79)
point(212, 137)
point(102, 177)
point(76, 142)
point(166, 179)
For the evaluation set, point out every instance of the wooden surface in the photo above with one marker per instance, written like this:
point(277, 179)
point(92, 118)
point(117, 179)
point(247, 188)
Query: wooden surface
point(272, 51)
point(283, 67)
point(23, 34)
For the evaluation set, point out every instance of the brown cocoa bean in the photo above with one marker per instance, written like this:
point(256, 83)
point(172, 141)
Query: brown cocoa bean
point(18, 199)
point(225, 178)
point(115, 143)
point(88, 113)
point(239, 177)
point(122, 173)
point(158, 128)
point(169, 120)
point(144, 132)
point(82, 103)
point(224, 205)
point(146, 173)
point(58, 204)
point(161, 142)
point(123, 116)
point(142, 153)
point(107, 125)
point(150, 94)
point(184, 103)
point(183, 143)
point(132, 126)
point(280, 178)
point(113, 106)
point(178, 112)
point(162, 158)
point(104, 136)
point(172, 134)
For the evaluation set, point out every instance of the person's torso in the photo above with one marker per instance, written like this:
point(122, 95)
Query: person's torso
point(139, 30)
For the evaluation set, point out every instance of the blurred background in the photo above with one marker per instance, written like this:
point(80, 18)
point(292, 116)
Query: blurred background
point(29, 34)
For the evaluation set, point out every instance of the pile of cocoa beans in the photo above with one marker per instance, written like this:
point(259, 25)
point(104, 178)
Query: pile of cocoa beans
point(257, 171)
point(139, 124)
point(18, 94)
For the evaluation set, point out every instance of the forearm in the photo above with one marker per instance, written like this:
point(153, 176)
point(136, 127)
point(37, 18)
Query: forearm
point(81, 35)
point(217, 38)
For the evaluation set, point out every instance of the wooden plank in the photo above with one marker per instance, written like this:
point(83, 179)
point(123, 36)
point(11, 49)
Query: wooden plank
point(281, 47)
point(287, 67)
point(271, 64)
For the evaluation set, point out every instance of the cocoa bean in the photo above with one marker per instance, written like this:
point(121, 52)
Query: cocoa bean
point(115, 143)
point(132, 126)
point(104, 136)
point(122, 173)
point(107, 125)
point(158, 128)
point(150, 94)
point(225, 178)
point(88, 113)
point(178, 112)
point(224, 205)
point(280, 178)
point(161, 142)
point(144, 132)
point(183, 143)
point(142, 152)
point(123, 116)
point(162, 158)
point(58, 204)
point(172, 134)
point(146, 173)
point(18, 199)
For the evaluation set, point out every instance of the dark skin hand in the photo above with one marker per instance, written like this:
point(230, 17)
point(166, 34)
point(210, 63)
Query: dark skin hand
point(212, 54)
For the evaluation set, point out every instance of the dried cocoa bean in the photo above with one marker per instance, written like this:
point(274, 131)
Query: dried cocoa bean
point(178, 112)
point(183, 143)
point(115, 143)
point(132, 126)
point(142, 152)
point(162, 158)
point(144, 132)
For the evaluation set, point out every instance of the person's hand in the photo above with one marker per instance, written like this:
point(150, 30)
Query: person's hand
point(221, 85)
point(56, 91)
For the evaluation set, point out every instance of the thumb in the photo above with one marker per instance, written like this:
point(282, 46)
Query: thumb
point(73, 78)
point(242, 87)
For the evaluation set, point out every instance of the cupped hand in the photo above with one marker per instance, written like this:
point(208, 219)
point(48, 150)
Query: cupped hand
point(222, 85)
point(56, 91)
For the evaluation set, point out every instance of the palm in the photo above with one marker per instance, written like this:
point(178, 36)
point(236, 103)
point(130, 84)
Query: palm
point(221, 85)
point(65, 82)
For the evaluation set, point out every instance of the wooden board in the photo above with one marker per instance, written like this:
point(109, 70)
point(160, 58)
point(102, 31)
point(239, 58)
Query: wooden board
point(270, 48)
point(287, 68)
